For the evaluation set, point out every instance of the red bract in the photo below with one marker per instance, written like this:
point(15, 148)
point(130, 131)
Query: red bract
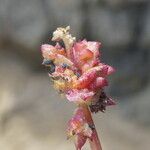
point(78, 73)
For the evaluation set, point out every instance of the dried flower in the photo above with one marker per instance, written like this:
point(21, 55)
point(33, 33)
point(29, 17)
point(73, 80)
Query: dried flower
point(77, 71)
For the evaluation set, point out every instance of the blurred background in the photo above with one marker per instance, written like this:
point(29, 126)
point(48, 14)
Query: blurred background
point(33, 116)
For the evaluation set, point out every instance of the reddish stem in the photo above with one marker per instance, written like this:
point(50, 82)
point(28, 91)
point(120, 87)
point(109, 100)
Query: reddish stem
point(95, 142)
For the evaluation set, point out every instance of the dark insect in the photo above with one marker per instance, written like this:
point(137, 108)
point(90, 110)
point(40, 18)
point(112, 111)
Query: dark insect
point(47, 62)
point(65, 65)
point(52, 68)
point(50, 65)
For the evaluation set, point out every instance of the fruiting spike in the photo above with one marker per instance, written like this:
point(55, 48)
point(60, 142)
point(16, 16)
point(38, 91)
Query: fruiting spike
point(78, 73)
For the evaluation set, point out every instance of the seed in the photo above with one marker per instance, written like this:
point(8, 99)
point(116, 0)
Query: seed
point(47, 62)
